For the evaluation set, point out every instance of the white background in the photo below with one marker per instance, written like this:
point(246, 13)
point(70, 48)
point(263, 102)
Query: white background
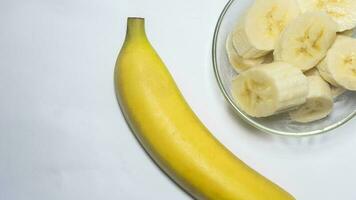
point(62, 135)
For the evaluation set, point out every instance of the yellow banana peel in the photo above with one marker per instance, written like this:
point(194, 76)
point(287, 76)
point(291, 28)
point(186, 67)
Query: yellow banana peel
point(173, 135)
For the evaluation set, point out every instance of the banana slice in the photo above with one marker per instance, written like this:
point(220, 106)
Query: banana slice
point(326, 74)
point(263, 23)
point(319, 102)
point(335, 91)
point(306, 40)
point(239, 63)
point(269, 89)
point(339, 65)
point(343, 12)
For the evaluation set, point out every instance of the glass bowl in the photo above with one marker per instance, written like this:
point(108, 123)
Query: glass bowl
point(344, 107)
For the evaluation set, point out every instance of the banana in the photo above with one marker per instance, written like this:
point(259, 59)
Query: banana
point(306, 40)
point(256, 34)
point(319, 102)
point(239, 63)
point(343, 12)
point(269, 89)
point(335, 91)
point(326, 74)
point(339, 65)
point(173, 135)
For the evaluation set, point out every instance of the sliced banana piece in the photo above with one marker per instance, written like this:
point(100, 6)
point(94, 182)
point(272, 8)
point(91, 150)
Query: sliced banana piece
point(243, 45)
point(256, 34)
point(269, 89)
point(239, 63)
point(319, 102)
point(326, 74)
point(339, 65)
point(306, 40)
point(335, 91)
point(343, 12)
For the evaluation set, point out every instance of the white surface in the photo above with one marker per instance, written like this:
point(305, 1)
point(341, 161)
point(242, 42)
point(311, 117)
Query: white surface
point(62, 135)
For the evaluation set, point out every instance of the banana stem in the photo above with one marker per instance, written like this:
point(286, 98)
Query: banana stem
point(135, 28)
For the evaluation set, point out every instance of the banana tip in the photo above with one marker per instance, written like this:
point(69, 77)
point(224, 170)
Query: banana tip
point(135, 18)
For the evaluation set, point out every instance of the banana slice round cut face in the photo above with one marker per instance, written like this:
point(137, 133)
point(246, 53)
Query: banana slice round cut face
point(269, 89)
point(339, 65)
point(319, 102)
point(263, 23)
point(343, 12)
point(239, 63)
point(306, 40)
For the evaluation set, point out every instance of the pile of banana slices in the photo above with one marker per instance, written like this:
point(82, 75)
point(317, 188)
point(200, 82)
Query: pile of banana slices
point(293, 56)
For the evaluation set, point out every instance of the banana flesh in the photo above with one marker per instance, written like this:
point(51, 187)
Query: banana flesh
point(269, 89)
point(326, 74)
point(239, 63)
point(343, 12)
point(335, 91)
point(305, 42)
point(319, 102)
point(339, 65)
point(312, 37)
point(256, 34)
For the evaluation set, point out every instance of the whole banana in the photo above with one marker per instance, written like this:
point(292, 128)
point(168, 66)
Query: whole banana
point(173, 135)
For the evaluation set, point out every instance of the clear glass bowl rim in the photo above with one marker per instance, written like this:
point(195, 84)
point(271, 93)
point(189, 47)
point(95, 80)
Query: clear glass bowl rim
point(243, 115)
